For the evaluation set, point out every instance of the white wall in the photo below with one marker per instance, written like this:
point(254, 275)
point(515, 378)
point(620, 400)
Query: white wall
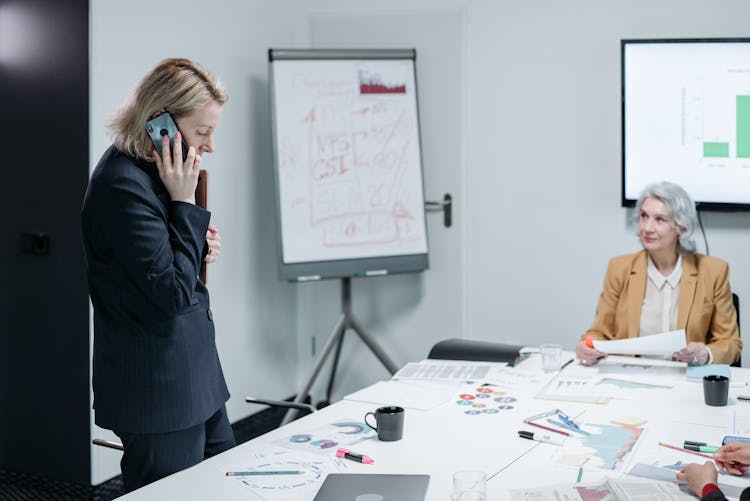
point(532, 157)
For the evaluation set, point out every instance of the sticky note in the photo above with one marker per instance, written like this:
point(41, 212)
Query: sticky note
point(629, 421)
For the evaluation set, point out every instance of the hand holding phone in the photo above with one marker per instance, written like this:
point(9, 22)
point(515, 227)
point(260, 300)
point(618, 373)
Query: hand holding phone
point(164, 125)
point(178, 165)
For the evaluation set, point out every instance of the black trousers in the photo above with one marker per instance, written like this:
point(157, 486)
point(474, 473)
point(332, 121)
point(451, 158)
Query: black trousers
point(151, 456)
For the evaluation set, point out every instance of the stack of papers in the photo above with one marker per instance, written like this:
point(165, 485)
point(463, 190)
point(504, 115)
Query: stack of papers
point(456, 371)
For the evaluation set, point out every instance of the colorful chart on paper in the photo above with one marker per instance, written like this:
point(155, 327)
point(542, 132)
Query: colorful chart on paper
point(309, 472)
point(327, 438)
point(594, 493)
point(483, 400)
point(611, 443)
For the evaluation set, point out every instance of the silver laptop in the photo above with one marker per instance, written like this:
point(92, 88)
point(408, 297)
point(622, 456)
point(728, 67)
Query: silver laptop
point(373, 487)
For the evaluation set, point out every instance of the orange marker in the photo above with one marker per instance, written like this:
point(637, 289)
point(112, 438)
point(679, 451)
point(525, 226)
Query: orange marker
point(589, 341)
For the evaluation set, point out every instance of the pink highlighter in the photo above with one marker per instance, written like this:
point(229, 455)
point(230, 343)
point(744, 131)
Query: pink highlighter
point(360, 458)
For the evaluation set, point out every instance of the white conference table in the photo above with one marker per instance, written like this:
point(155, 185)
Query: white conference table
point(441, 438)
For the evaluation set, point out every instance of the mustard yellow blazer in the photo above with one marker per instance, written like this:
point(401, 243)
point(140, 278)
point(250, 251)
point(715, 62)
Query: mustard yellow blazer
point(705, 309)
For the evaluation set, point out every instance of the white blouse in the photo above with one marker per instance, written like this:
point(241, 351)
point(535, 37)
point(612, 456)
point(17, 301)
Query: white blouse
point(659, 309)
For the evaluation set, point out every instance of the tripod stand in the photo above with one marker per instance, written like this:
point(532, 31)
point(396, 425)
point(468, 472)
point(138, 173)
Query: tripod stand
point(345, 321)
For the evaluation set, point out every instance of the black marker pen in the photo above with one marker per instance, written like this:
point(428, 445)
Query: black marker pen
point(539, 437)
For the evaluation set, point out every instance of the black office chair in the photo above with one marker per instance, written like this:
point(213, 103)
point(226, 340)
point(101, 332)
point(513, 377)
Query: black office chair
point(474, 350)
point(302, 408)
point(282, 403)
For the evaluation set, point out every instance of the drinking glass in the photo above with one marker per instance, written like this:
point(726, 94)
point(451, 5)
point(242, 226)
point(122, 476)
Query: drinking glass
point(469, 485)
point(551, 355)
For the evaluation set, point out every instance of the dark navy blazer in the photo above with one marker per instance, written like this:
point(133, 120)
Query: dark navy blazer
point(155, 364)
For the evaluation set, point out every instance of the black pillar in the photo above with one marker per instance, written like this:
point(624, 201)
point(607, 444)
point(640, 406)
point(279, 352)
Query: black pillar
point(44, 161)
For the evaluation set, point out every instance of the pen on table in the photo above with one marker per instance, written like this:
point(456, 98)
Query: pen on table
point(262, 472)
point(710, 449)
point(580, 474)
point(538, 416)
point(567, 363)
point(690, 442)
point(360, 458)
point(547, 428)
point(539, 437)
point(567, 426)
point(566, 419)
point(709, 456)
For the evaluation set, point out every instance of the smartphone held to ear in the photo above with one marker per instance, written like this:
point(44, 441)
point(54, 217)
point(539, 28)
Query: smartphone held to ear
point(164, 125)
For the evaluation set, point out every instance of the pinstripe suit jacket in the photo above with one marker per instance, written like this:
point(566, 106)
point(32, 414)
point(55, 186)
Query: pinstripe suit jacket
point(705, 309)
point(155, 364)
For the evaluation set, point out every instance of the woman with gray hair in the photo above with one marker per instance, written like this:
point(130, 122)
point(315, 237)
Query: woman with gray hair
point(667, 286)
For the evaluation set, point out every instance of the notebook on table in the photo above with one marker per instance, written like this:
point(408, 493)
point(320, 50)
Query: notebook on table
point(373, 487)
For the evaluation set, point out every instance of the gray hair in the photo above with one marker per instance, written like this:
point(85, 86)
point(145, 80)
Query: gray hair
point(681, 210)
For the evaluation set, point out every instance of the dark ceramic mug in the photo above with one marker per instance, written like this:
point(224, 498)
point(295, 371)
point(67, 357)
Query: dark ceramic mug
point(389, 423)
point(715, 390)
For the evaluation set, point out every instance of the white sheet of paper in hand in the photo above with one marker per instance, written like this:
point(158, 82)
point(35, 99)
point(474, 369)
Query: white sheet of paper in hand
point(655, 344)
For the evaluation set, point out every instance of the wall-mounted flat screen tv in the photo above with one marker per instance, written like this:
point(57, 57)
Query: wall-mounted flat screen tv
point(686, 119)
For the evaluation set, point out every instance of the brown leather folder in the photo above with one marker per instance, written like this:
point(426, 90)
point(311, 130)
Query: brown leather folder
point(201, 200)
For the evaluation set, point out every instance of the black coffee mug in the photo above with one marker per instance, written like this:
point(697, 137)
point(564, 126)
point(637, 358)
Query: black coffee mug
point(715, 390)
point(389, 423)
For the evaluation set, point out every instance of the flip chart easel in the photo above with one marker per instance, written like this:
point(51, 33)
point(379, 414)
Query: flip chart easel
point(348, 165)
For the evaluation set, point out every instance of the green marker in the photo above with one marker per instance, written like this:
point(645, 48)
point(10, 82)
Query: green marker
point(708, 449)
point(580, 474)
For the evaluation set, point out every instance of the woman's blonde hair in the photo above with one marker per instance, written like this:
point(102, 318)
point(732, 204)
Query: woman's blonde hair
point(179, 86)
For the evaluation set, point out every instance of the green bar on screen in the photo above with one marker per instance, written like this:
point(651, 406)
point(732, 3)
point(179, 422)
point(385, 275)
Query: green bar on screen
point(743, 127)
point(716, 150)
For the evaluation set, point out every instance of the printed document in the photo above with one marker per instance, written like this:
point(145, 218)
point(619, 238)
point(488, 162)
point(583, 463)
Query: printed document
point(448, 370)
point(655, 344)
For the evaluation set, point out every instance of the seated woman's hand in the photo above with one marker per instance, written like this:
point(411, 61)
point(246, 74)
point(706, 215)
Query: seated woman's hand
point(698, 475)
point(693, 354)
point(733, 458)
point(587, 355)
